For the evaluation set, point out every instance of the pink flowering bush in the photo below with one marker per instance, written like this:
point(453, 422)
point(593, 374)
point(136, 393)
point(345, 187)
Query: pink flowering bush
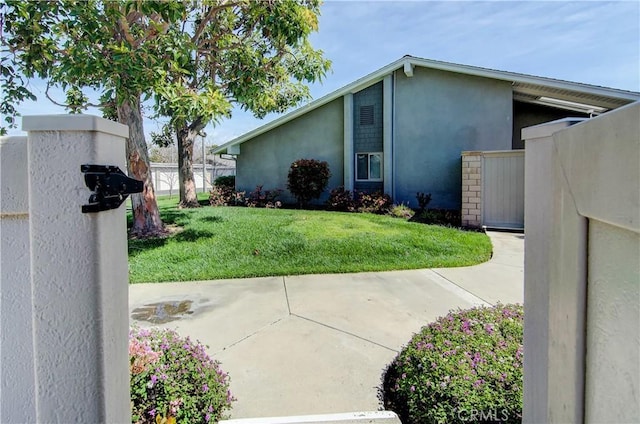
point(464, 367)
point(173, 380)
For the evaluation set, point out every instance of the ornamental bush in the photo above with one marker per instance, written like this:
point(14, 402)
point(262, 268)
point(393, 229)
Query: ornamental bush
point(341, 200)
point(260, 198)
point(464, 367)
point(378, 202)
point(307, 179)
point(173, 380)
point(225, 181)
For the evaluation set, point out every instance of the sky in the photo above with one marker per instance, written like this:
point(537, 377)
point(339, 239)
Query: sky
point(590, 42)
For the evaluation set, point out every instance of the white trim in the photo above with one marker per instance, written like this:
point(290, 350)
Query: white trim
point(369, 154)
point(378, 416)
point(411, 61)
point(387, 134)
point(348, 173)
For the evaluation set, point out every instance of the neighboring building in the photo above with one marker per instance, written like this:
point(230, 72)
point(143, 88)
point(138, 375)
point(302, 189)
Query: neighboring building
point(402, 129)
point(166, 180)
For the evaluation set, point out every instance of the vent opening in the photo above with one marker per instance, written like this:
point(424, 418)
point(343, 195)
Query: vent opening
point(366, 115)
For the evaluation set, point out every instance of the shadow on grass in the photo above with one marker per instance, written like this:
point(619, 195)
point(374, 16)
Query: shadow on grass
point(174, 216)
point(193, 235)
point(212, 219)
point(137, 246)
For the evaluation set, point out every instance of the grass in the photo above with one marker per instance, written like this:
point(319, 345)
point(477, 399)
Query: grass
point(235, 242)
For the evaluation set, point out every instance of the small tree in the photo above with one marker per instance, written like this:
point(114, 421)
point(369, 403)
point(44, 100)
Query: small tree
point(307, 179)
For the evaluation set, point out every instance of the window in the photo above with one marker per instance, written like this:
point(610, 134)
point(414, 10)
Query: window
point(369, 166)
point(366, 115)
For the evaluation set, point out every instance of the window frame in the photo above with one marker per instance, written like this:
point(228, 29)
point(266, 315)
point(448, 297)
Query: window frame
point(369, 154)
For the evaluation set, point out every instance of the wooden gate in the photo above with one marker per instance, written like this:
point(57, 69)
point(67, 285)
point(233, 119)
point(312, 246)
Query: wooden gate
point(503, 189)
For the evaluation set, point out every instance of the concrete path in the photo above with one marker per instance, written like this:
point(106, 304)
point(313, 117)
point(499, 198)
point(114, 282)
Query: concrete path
point(318, 344)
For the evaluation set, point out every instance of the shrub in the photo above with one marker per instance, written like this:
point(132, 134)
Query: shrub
point(259, 198)
point(377, 202)
point(401, 211)
point(423, 200)
point(307, 179)
point(174, 380)
point(341, 200)
point(221, 195)
point(465, 367)
point(446, 217)
point(225, 181)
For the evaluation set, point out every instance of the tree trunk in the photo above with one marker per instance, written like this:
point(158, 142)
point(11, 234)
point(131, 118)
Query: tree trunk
point(146, 217)
point(186, 139)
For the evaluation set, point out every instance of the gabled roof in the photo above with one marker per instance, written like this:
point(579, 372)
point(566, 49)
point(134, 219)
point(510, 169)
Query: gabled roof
point(568, 95)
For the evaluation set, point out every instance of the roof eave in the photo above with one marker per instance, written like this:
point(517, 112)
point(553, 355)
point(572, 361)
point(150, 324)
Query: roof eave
point(412, 61)
point(354, 87)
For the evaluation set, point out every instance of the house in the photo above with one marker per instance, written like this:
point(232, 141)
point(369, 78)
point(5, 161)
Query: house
point(402, 128)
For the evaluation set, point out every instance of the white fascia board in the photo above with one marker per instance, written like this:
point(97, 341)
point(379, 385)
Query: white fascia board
point(411, 62)
point(352, 88)
point(525, 79)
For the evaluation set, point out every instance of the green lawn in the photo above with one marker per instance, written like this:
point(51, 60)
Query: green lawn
point(234, 242)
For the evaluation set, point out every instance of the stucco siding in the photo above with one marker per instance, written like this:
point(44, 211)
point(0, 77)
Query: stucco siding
point(438, 115)
point(265, 159)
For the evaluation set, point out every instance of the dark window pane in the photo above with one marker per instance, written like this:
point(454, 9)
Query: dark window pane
point(362, 171)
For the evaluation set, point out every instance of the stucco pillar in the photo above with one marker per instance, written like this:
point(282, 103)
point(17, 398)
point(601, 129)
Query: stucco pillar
point(78, 273)
point(17, 394)
point(554, 286)
point(348, 142)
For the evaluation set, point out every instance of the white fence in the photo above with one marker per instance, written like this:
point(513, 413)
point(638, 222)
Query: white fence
point(165, 176)
point(582, 270)
point(493, 189)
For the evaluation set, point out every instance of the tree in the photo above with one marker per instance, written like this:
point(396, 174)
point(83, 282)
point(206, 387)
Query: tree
point(110, 46)
point(252, 53)
point(198, 59)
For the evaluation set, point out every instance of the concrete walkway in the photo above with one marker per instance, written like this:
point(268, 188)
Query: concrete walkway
point(318, 344)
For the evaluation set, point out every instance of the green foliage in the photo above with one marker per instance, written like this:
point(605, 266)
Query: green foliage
point(401, 211)
point(307, 179)
point(12, 87)
point(346, 201)
point(222, 195)
point(446, 217)
point(174, 380)
point(377, 202)
point(225, 181)
point(292, 242)
point(464, 367)
point(223, 192)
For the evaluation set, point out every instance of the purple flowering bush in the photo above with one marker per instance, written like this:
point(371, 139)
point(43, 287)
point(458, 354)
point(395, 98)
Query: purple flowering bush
point(464, 367)
point(173, 380)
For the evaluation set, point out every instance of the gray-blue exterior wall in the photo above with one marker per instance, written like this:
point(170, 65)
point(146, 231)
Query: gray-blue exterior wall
point(437, 116)
point(265, 160)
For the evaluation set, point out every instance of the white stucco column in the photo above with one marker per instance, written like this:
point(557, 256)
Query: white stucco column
point(348, 142)
point(555, 251)
point(387, 133)
point(17, 394)
point(78, 273)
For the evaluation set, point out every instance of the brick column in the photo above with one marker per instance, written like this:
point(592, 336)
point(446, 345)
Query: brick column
point(471, 213)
